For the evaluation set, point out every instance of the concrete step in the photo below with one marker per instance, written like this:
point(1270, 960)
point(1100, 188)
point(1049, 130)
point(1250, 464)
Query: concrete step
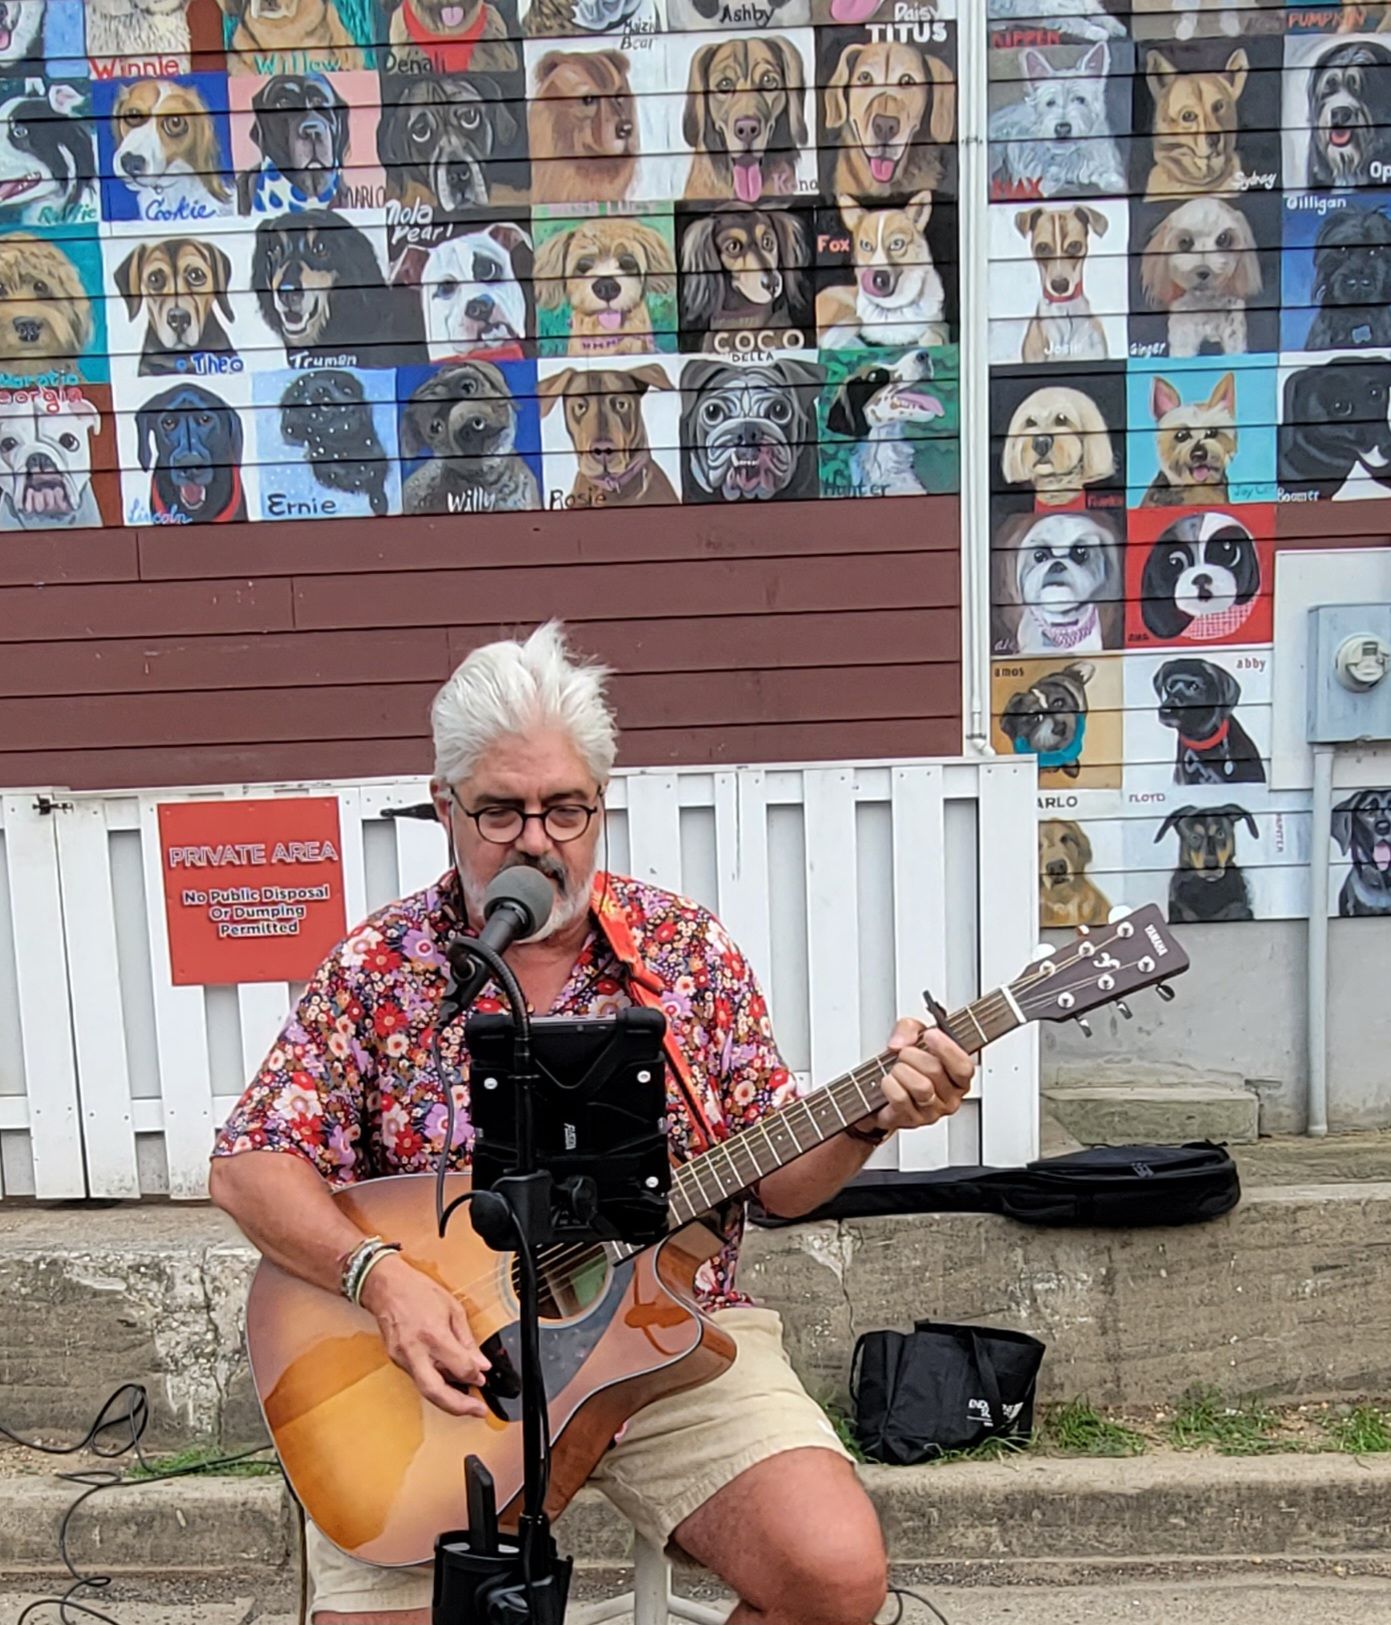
point(1147, 1114)
point(1034, 1510)
point(1286, 1297)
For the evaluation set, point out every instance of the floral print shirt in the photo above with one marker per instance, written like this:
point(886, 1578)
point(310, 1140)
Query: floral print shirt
point(351, 1083)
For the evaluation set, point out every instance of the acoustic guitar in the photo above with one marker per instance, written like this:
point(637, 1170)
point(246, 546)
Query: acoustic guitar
point(381, 1470)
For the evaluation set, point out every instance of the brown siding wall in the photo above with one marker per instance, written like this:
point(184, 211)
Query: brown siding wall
point(266, 652)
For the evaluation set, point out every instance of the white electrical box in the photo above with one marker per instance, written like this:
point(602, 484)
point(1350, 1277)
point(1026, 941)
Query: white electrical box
point(1349, 681)
point(1305, 580)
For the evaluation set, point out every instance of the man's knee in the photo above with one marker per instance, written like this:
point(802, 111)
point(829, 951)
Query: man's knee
point(833, 1581)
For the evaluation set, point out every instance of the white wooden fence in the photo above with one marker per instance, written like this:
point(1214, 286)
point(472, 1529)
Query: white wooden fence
point(851, 887)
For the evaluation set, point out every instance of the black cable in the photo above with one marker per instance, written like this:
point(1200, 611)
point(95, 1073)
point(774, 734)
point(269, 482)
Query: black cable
point(135, 1419)
point(900, 1592)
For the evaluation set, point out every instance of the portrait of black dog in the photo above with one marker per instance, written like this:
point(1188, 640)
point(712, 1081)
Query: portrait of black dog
point(1362, 829)
point(1206, 883)
point(1334, 427)
point(321, 291)
point(1203, 566)
point(300, 126)
point(328, 414)
point(1197, 700)
point(447, 142)
point(744, 270)
point(1352, 281)
point(1349, 118)
point(748, 433)
point(191, 441)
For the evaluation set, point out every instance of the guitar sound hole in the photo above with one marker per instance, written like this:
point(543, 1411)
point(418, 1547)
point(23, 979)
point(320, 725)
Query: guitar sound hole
point(570, 1287)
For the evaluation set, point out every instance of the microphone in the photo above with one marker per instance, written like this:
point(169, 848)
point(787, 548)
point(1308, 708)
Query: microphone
point(517, 903)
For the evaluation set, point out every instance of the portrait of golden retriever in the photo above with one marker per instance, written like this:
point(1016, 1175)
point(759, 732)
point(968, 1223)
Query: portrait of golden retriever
point(1059, 444)
point(745, 119)
point(584, 128)
point(47, 320)
point(1065, 895)
point(289, 28)
point(604, 271)
point(1195, 125)
point(895, 107)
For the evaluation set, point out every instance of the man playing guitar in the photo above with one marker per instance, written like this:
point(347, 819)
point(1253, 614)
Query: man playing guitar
point(744, 1473)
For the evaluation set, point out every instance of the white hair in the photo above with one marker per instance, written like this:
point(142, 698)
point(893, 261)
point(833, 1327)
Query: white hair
point(513, 687)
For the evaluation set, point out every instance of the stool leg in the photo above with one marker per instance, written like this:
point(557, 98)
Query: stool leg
point(650, 1602)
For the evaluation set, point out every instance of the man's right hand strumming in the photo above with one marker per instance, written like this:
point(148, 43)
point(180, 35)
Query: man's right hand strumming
point(427, 1334)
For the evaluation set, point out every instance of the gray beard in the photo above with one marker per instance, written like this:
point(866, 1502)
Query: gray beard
point(571, 903)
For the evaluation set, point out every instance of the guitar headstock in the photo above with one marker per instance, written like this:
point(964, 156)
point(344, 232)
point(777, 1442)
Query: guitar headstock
point(1100, 966)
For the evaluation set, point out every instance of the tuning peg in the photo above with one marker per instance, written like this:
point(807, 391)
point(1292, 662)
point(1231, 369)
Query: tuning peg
point(1085, 1025)
point(1165, 992)
point(1118, 913)
point(1124, 1009)
point(1084, 930)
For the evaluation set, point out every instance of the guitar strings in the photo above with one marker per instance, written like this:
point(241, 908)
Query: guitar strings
point(576, 1255)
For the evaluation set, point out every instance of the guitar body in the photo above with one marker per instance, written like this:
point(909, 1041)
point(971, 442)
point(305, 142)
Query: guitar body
point(380, 1469)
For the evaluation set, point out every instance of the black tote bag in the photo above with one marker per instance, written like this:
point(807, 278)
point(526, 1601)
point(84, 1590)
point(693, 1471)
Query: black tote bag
point(939, 1388)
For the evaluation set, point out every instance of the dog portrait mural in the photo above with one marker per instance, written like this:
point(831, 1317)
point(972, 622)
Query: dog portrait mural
point(1058, 583)
point(58, 459)
point(1337, 111)
point(887, 273)
point(325, 443)
point(610, 432)
point(606, 286)
point(470, 439)
point(53, 326)
point(185, 451)
point(1337, 271)
point(1201, 432)
point(1058, 286)
point(1206, 276)
point(340, 222)
point(1200, 576)
point(1055, 440)
point(164, 145)
point(1361, 830)
point(890, 422)
point(305, 141)
point(1059, 120)
point(745, 279)
point(1196, 721)
point(1066, 714)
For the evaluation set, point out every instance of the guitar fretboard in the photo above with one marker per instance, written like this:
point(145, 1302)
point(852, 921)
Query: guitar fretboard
point(790, 1132)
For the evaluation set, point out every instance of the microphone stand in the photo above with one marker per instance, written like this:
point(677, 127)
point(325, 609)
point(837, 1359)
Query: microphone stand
point(480, 1579)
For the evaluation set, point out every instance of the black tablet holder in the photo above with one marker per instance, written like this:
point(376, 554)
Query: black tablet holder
point(570, 1146)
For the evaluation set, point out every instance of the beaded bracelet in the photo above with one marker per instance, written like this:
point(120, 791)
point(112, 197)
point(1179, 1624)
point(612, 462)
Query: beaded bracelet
point(360, 1262)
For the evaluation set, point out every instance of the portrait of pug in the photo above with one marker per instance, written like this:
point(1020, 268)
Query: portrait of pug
point(748, 433)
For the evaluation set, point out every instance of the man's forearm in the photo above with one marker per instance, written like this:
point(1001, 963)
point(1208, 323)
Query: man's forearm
point(284, 1208)
point(813, 1178)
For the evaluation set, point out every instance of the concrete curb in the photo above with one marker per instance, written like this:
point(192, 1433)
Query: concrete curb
point(1032, 1511)
point(1131, 1317)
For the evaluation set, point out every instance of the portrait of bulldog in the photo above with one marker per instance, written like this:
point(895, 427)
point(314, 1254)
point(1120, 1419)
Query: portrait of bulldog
point(748, 433)
point(46, 465)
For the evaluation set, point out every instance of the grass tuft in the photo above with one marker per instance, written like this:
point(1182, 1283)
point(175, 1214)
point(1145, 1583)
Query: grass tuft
point(1364, 1431)
point(1204, 1420)
point(1075, 1428)
point(208, 1458)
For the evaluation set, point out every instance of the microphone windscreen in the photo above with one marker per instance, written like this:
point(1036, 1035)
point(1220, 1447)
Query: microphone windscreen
point(528, 889)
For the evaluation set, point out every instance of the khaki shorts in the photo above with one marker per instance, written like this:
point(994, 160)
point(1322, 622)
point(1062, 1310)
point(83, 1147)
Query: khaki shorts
point(673, 1456)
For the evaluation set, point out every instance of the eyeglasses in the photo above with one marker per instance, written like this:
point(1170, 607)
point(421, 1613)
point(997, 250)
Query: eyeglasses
point(565, 821)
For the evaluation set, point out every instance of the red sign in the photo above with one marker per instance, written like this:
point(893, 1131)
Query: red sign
point(253, 890)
